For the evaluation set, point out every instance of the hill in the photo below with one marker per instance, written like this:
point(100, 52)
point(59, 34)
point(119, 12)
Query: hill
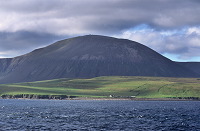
point(118, 86)
point(193, 66)
point(90, 56)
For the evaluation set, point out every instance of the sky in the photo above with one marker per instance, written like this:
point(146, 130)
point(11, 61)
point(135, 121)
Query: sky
point(170, 27)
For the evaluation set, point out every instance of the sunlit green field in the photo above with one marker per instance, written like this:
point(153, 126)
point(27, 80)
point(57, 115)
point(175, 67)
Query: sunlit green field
point(139, 87)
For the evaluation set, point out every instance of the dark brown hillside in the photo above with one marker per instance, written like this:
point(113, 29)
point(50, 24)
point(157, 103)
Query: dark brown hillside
point(193, 66)
point(89, 56)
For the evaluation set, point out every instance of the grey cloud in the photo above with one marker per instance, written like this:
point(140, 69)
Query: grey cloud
point(185, 42)
point(18, 43)
point(105, 16)
point(28, 24)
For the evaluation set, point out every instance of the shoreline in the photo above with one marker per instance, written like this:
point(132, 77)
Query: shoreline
point(139, 99)
point(111, 99)
point(69, 97)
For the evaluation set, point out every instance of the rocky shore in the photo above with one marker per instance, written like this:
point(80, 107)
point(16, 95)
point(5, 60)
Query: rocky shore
point(67, 97)
point(32, 96)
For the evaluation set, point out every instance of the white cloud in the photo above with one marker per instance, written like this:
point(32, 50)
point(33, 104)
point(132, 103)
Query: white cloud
point(88, 16)
point(185, 42)
point(167, 20)
point(192, 30)
point(7, 54)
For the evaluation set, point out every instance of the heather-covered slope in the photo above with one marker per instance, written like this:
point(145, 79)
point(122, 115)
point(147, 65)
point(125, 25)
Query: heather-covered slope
point(89, 56)
point(194, 66)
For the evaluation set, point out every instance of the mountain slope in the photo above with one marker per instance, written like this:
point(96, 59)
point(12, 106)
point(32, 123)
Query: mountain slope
point(193, 66)
point(89, 56)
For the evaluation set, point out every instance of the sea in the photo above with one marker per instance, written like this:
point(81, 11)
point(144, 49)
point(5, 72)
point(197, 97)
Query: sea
point(98, 115)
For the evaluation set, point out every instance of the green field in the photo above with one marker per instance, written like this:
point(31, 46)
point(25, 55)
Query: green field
point(117, 86)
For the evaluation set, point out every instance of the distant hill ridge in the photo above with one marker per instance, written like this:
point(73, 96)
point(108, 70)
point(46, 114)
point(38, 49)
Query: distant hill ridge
point(91, 56)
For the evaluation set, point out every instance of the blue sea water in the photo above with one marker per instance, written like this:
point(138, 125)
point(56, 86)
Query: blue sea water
point(97, 115)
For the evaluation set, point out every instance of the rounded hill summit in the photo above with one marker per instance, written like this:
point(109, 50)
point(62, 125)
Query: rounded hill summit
point(89, 56)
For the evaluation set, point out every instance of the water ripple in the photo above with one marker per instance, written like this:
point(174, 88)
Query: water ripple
point(99, 115)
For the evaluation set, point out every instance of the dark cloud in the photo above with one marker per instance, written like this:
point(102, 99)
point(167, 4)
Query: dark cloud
point(90, 15)
point(27, 24)
point(17, 43)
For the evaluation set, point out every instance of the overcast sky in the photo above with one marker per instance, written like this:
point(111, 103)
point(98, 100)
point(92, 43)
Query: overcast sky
point(170, 27)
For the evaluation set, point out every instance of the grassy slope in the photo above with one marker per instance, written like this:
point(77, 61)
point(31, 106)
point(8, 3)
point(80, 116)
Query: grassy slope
point(141, 87)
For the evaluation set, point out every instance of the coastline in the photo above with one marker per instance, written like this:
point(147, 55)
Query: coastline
point(139, 99)
point(64, 97)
